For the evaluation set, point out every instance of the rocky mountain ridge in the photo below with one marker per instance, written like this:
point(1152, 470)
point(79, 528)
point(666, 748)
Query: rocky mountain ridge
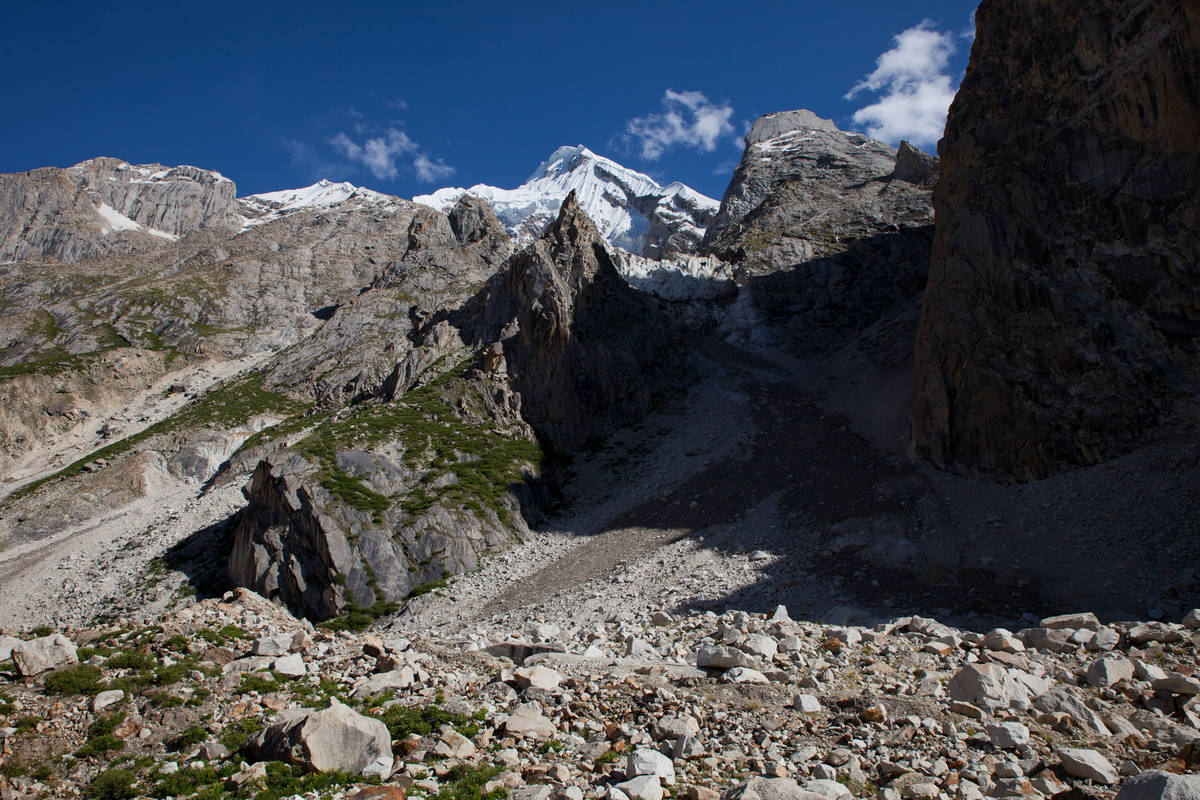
point(106, 205)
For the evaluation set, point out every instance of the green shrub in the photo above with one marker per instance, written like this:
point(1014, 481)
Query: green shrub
point(192, 736)
point(100, 740)
point(164, 699)
point(79, 679)
point(466, 782)
point(252, 682)
point(131, 660)
point(27, 724)
point(424, 721)
point(111, 784)
point(236, 735)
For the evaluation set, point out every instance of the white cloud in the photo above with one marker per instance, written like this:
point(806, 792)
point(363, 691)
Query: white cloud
point(379, 154)
point(688, 119)
point(913, 85)
point(429, 170)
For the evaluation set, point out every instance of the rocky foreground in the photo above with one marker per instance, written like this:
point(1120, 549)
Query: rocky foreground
point(233, 697)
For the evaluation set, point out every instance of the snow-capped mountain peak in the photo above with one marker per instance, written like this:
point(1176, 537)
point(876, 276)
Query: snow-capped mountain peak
point(631, 210)
point(261, 208)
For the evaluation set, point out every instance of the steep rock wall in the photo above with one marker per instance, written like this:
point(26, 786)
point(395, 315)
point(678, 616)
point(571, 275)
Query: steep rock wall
point(1062, 316)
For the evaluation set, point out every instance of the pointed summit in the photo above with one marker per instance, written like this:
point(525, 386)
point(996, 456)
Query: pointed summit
point(629, 209)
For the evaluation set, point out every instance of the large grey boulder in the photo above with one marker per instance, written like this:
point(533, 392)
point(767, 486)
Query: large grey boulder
point(770, 789)
point(1087, 764)
point(1157, 785)
point(331, 739)
point(43, 654)
point(7, 643)
point(989, 685)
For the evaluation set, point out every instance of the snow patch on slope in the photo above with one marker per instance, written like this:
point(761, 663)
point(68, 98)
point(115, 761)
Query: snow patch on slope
point(322, 195)
point(116, 222)
point(622, 202)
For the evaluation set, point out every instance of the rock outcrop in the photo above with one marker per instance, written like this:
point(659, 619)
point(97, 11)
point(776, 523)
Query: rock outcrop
point(583, 349)
point(825, 231)
point(1062, 317)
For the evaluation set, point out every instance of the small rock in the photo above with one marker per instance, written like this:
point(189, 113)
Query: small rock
point(676, 727)
point(1072, 622)
point(988, 685)
point(1177, 684)
point(527, 720)
point(453, 744)
point(253, 772)
point(806, 704)
point(746, 675)
point(642, 787)
point(650, 762)
point(7, 643)
point(769, 789)
point(106, 699)
point(829, 789)
point(1109, 671)
point(384, 681)
point(277, 645)
point(717, 657)
point(291, 665)
point(537, 677)
point(1003, 640)
point(762, 646)
point(213, 751)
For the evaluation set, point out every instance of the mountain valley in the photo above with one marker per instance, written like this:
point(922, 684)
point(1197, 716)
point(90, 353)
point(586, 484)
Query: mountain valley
point(879, 477)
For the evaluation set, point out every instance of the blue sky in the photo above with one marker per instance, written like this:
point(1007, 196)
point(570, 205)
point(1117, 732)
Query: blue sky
point(405, 97)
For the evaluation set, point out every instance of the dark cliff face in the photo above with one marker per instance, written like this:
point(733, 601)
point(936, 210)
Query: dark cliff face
point(1062, 314)
point(584, 349)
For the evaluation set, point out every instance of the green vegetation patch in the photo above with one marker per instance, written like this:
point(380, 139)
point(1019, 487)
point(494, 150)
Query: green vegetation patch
point(483, 460)
point(236, 735)
point(403, 721)
point(100, 739)
point(466, 782)
point(112, 784)
point(79, 679)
